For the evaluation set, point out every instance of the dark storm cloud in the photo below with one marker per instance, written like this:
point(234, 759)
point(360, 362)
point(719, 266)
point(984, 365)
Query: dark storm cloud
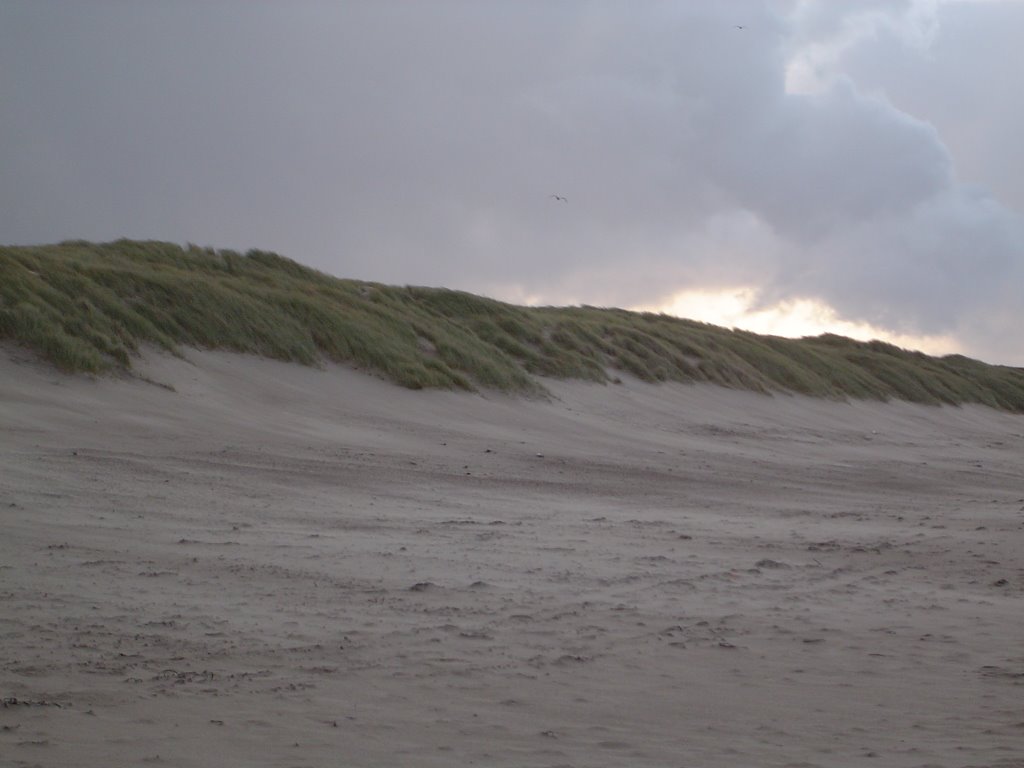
point(420, 143)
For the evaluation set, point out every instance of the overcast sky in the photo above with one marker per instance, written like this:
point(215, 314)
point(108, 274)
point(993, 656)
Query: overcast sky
point(863, 154)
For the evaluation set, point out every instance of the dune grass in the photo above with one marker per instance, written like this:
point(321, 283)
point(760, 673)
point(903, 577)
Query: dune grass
point(88, 307)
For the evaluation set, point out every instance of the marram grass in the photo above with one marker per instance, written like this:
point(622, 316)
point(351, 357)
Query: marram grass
point(88, 307)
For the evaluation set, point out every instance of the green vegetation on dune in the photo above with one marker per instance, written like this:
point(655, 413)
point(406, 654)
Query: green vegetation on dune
point(88, 307)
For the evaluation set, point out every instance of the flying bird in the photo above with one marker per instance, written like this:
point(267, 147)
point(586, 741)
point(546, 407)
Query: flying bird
point(740, 27)
point(559, 197)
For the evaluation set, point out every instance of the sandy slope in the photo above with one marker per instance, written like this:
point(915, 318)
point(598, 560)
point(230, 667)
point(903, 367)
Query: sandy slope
point(287, 567)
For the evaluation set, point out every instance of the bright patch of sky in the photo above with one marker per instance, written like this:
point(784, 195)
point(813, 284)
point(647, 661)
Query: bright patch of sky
point(793, 318)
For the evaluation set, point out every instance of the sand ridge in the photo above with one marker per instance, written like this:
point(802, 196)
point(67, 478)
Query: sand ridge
point(275, 565)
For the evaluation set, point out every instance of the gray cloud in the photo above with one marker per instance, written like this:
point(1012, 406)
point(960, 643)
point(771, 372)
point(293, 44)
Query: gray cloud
point(967, 84)
point(419, 143)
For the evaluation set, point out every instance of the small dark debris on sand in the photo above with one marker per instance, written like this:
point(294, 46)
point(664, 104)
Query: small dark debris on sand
point(16, 702)
point(766, 563)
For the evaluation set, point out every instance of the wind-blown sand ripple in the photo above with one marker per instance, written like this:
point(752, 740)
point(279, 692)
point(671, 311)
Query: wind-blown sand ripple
point(273, 565)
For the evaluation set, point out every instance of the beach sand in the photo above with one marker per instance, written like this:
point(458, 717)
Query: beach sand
point(274, 565)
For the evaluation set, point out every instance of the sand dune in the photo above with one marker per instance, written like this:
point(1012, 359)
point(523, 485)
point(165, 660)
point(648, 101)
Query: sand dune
point(273, 565)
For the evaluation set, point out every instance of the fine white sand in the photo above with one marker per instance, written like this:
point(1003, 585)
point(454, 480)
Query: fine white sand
point(280, 566)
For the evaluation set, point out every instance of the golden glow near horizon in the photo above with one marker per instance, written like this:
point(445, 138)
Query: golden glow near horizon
point(734, 308)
